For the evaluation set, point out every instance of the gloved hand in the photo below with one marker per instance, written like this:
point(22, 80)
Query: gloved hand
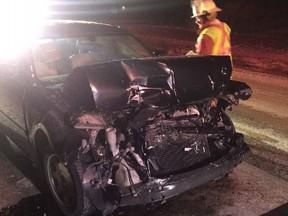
point(191, 53)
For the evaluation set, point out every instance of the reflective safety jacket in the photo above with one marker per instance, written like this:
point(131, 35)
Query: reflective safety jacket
point(214, 39)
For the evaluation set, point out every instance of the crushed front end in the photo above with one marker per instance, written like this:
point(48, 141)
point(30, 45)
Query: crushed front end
point(163, 141)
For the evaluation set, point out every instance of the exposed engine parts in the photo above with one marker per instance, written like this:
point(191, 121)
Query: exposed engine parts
point(169, 142)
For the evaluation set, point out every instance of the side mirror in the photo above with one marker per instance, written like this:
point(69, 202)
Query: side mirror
point(240, 90)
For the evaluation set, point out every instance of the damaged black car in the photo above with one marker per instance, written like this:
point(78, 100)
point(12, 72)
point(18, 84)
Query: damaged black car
point(112, 125)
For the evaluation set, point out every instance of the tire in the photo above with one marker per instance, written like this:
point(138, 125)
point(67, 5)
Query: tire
point(64, 184)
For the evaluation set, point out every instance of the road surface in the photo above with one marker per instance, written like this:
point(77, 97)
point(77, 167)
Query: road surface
point(264, 116)
point(248, 191)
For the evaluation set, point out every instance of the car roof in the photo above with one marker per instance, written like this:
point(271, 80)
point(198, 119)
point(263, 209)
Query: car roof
point(68, 28)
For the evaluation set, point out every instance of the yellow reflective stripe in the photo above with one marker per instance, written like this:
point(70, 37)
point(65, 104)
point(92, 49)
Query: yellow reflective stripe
point(226, 46)
point(220, 37)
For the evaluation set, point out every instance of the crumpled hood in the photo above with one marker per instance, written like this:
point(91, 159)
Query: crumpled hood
point(106, 85)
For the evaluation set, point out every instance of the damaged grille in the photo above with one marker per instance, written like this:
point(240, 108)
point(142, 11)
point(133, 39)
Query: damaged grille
point(174, 145)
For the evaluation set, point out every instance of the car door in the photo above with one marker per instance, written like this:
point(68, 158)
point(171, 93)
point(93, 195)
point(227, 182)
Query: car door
point(13, 87)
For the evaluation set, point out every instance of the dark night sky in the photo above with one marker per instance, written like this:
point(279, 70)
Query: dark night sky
point(258, 16)
point(264, 17)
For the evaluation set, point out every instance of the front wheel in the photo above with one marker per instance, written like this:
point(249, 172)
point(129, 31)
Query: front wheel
point(64, 184)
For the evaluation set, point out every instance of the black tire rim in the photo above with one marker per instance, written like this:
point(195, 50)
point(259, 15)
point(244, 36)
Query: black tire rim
point(61, 182)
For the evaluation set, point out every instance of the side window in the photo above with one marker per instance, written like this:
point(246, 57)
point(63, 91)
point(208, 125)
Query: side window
point(44, 55)
point(50, 60)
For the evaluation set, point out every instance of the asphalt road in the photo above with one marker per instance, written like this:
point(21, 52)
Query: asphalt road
point(247, 191)
point(263, 118)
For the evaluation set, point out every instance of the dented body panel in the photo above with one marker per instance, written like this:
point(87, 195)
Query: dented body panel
point(189, 79)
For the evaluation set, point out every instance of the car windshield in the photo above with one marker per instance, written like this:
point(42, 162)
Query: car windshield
point(54, 59)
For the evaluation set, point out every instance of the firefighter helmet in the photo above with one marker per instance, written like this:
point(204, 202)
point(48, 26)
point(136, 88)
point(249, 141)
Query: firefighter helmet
point(202, 7)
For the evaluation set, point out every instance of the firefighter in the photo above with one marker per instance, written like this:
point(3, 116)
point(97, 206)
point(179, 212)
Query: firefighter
point(213, 35)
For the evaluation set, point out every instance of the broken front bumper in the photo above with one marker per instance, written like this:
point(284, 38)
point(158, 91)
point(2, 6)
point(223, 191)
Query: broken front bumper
point(162, 189)
point(111, 197)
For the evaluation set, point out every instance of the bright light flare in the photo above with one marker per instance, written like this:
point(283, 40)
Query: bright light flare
point(19, 23)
